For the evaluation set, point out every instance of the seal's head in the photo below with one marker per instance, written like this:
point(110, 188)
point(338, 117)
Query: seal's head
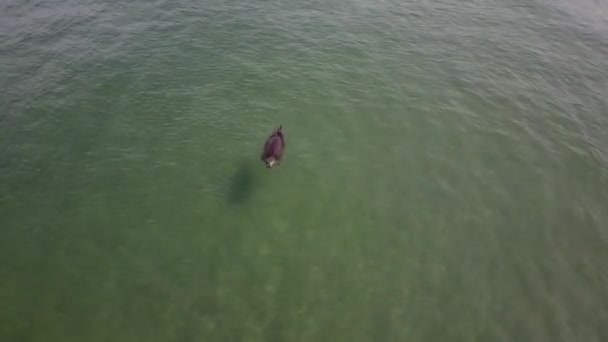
point(270, 162)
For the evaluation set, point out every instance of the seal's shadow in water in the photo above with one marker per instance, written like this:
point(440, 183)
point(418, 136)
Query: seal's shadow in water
point(242, 184)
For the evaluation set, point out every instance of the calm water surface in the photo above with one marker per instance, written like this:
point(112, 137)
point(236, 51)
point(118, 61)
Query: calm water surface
point(446, 177)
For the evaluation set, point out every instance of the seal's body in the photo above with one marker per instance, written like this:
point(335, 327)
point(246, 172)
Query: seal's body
point(274, 148)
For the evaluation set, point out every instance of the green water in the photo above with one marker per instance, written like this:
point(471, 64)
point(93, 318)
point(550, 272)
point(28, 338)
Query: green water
point(445, 179)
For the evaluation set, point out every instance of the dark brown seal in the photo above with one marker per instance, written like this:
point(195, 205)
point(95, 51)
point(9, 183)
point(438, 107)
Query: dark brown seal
point(274, 148)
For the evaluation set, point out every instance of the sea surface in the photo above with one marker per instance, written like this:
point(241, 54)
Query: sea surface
point(445, 178)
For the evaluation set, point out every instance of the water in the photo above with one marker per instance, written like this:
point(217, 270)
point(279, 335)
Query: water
point(445, 176)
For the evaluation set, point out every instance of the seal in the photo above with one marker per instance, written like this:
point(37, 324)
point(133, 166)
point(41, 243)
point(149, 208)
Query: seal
point(274, 148)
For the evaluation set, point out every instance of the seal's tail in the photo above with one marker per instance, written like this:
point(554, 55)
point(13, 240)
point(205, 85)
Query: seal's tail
point(279, 132)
